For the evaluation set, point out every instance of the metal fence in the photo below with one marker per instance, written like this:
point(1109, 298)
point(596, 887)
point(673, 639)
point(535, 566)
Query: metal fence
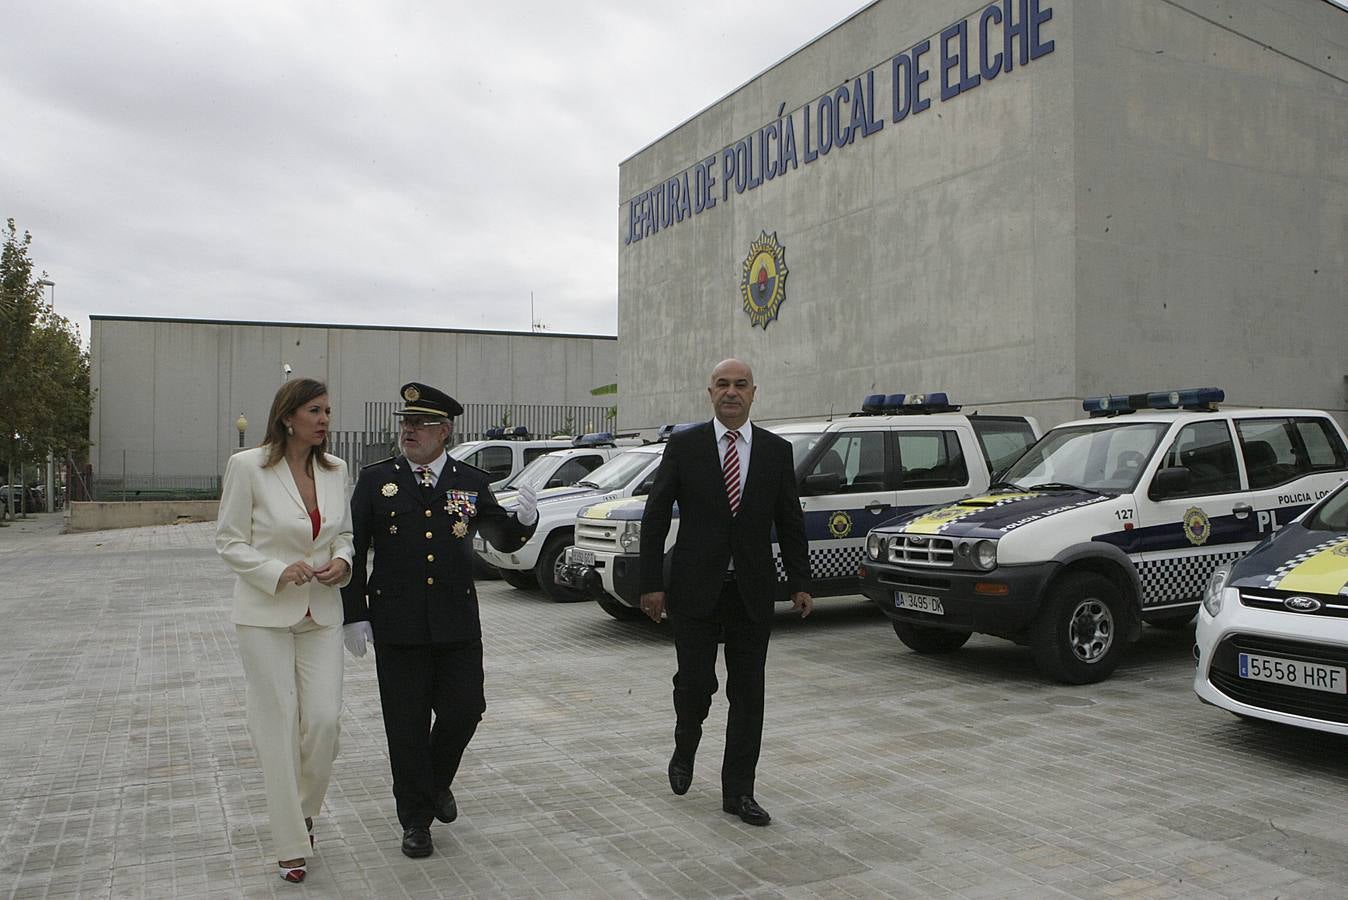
point(377, 440)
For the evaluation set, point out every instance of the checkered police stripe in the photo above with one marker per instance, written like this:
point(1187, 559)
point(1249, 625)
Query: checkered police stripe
point(1179, 578)
point(1273, 580)
point(837, 559)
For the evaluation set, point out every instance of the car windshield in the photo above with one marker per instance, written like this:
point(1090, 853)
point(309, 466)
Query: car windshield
point(535, 474)
point(619, 471)
point(463, 451)
point(801, 444)
point(1333, 514)
point(1107, 457)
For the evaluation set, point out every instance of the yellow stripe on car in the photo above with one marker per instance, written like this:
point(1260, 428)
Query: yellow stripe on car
point(1324, 573)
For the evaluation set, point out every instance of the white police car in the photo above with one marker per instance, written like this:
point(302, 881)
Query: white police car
point(503, 452)
point(631, 471)
point(1272, 636)
point(563, 468)
point(899, 453)
point(1102, 525)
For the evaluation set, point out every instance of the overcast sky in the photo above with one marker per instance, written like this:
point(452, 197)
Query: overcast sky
point(385, 162)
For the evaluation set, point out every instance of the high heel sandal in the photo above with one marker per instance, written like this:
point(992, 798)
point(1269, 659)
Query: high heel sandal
point(293, 874)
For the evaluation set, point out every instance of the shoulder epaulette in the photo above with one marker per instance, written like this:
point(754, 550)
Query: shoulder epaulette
point(379, 462)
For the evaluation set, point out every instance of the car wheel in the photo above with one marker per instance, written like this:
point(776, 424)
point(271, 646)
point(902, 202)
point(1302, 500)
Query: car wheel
point(924, 639)
point(546, 570)
point(618, 610)
point(518, 578)
point(1174, 622)
point(1076, 637)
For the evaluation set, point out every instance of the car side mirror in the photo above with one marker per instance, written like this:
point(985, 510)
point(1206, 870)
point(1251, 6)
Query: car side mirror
point(823, 483)
point(644, 488)
point(1170, 482)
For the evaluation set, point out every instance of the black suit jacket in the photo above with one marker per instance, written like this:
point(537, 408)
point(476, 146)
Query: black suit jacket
point(421, 588)
point(710, 538)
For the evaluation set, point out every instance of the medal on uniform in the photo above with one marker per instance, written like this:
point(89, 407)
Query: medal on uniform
point(389, 489)
point(393, 529)
point(460, 529)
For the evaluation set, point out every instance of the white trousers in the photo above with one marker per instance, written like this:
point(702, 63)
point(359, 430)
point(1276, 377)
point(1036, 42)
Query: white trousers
point(294, 680)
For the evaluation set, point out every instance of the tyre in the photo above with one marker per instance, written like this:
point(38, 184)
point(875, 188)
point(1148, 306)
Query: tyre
point(546, 570)
point(1174, 621)
point(924, 639)
point(1077, 637)
point(517, 578)
point(618, 610)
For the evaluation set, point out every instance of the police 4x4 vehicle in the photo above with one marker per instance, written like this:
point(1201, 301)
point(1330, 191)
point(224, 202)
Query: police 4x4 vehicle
point(1272, 636)
point(899, 453)
point(502, 453)
point(631, 471)
point(1102, 525)
point(563, 468)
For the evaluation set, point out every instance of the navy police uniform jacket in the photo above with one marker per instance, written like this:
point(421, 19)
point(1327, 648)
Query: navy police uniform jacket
point(420, 590)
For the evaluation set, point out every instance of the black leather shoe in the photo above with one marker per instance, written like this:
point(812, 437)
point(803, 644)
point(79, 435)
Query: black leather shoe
point(747, 809)
point(446, 810)
point(680, 776)
point(417, 841)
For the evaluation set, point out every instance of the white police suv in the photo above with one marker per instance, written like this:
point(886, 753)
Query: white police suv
point(1272, 636)
point(1102, 525)
point(900, 452)
point(631, 471)
point(503, 452)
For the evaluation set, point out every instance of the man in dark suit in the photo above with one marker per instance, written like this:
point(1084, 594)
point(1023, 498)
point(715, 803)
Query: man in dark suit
point(419, 606)
point(733, 482)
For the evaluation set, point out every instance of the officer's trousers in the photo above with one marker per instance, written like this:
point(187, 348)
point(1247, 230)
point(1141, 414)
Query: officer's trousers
point(294, 678)
point(416, 680)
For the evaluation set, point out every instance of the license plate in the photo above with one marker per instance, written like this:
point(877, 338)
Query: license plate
point(1330, 679)
point(578, 557)
point(919, 603)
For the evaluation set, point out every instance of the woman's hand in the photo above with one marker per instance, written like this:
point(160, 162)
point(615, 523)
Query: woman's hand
point(333, 572)
point(295, 573)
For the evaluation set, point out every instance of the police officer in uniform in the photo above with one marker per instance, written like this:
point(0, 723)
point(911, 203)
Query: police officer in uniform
point(419, 511)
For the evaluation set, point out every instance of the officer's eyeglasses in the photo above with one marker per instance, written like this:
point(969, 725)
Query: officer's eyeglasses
point(412, 422)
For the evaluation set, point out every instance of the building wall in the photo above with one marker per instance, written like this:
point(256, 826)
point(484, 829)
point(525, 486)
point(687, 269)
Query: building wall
point(964, 248)
point(169, 391)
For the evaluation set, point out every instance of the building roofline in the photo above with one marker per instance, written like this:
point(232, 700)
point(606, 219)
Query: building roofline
point(326, 325)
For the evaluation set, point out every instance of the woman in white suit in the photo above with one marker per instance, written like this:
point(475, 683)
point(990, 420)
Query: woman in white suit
point(285, 529)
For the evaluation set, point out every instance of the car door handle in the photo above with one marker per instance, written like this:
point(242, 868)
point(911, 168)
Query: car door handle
point(876, 507)
point(1242, 510)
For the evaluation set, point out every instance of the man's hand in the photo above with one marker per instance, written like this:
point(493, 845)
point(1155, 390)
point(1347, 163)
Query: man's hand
point(356, 636)
point(333, 572)
point(653, 604)
point(802, 601)
point(526, 507)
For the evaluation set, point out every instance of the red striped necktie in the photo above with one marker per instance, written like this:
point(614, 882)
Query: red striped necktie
point(731, 470)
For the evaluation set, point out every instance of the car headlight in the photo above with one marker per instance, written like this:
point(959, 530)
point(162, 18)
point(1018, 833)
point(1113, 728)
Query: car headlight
point(1212, 594)
point(874, 544)
point(984, 555)
point(630, 537)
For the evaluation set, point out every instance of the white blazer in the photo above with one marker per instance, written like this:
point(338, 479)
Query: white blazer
point(263, 527)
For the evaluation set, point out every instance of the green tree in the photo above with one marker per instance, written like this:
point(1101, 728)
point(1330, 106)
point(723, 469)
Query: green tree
point(45, 397)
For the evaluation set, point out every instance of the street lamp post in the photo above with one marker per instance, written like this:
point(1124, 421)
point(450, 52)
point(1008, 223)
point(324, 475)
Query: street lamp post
point(242, 424)
point(51, 463)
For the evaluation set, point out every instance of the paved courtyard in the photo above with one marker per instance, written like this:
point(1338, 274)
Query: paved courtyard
point(126, 768)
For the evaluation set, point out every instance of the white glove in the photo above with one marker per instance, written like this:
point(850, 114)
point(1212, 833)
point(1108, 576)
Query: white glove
point(356, 636)
point(526, 505)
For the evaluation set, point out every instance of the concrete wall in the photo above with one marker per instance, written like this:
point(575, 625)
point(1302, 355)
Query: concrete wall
point(169, 391)
point(965, 248)
point(81, 516)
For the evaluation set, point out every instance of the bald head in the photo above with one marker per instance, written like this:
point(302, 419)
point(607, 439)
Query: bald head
point(731, 388)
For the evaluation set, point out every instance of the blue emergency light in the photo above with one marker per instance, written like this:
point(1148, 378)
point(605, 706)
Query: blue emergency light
point(1197, 399)
point(900, 404)
point(593, 439)
point(667, 431)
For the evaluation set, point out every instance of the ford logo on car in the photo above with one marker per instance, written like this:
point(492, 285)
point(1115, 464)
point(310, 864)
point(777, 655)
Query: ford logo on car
point(1301, 604)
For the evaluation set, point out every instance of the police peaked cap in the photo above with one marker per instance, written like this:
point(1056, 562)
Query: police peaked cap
point(424, 400)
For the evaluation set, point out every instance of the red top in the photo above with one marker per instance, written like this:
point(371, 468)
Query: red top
point(313, 517)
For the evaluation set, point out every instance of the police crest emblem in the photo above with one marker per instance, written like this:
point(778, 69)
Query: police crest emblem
point(840, 524)
point(1197, 528)
point(763, 279)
